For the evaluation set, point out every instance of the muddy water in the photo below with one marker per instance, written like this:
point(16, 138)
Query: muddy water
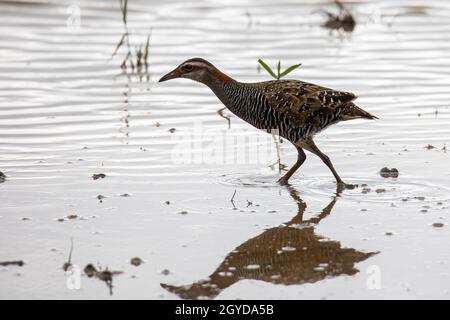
point(172, 163)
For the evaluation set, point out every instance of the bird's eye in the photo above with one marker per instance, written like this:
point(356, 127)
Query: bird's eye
point(188, 67)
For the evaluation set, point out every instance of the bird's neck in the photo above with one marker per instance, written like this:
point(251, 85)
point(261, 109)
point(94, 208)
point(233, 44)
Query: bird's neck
point(226, 89)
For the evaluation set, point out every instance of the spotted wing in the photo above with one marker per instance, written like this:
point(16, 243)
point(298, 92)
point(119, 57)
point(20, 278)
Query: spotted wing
point(305, 103)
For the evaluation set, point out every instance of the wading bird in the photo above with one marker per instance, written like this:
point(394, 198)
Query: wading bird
point(296, 110)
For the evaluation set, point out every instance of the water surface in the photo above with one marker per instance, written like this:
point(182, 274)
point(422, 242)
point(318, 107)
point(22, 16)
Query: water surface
point(67, 112)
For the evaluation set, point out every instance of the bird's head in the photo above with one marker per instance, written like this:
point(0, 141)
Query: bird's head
point(197, 69)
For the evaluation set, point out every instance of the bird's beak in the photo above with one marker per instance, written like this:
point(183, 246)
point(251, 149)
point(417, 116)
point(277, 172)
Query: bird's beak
point(171, 75)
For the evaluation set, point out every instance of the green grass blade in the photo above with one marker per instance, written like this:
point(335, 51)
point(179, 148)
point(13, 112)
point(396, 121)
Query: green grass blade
point(124, 9)
point(278, 70)
point(147, 47)
point(122, 40)
point(265, 66)
point(290, 69)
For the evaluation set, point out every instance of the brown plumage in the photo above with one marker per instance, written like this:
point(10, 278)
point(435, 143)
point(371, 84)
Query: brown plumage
point(296, 110)
point(309, 104)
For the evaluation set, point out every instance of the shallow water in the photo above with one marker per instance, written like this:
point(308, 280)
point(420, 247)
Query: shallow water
point(67, 112)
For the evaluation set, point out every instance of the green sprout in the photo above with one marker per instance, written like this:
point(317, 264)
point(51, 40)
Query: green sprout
point(124, 9)
point(279, 74)
point(140, 57)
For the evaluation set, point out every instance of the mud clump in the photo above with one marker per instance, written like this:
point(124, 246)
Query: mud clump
point(438, 224)
point(97, 176)
point(389, 173)
point(19, 263)
point(69, 217)
point(90, 270)
point(365, 190)
point(165, 272)
point(136, 261)
point(2, 177)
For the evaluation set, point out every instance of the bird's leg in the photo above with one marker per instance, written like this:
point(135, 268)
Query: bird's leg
point(311, 147)
point(300, 159)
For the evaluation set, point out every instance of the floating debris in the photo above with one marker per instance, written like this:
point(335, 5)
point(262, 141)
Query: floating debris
point(100, 198)
point(344, 20)
point(68, 263)
point(167, 202)
point(97, 176)
point(389, 173)
point(438, 224)
point(136, 261)
point(90, 270)
point(103, 275)
point(125, 195)
point(165, 272)
point(2, 177)
point(70, 217)
point(365, 190)
point(172, 130)
point(429, 147)
point(12, 263)
point(183, 212)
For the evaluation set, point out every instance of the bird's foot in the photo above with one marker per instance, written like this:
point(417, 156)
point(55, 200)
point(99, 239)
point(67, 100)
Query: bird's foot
point(342, 185)
point(283, 181)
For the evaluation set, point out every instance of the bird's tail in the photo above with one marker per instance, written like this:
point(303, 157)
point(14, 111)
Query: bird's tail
point(355, 112)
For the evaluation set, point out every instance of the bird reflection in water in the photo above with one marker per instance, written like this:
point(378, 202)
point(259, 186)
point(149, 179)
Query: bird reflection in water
point(291, 254)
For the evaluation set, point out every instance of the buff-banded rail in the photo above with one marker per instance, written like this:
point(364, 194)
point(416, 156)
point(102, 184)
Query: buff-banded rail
point(295, 110)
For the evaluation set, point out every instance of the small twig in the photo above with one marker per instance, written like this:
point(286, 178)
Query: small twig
point(68, 264)
point(12, 263)
point(232, 198)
